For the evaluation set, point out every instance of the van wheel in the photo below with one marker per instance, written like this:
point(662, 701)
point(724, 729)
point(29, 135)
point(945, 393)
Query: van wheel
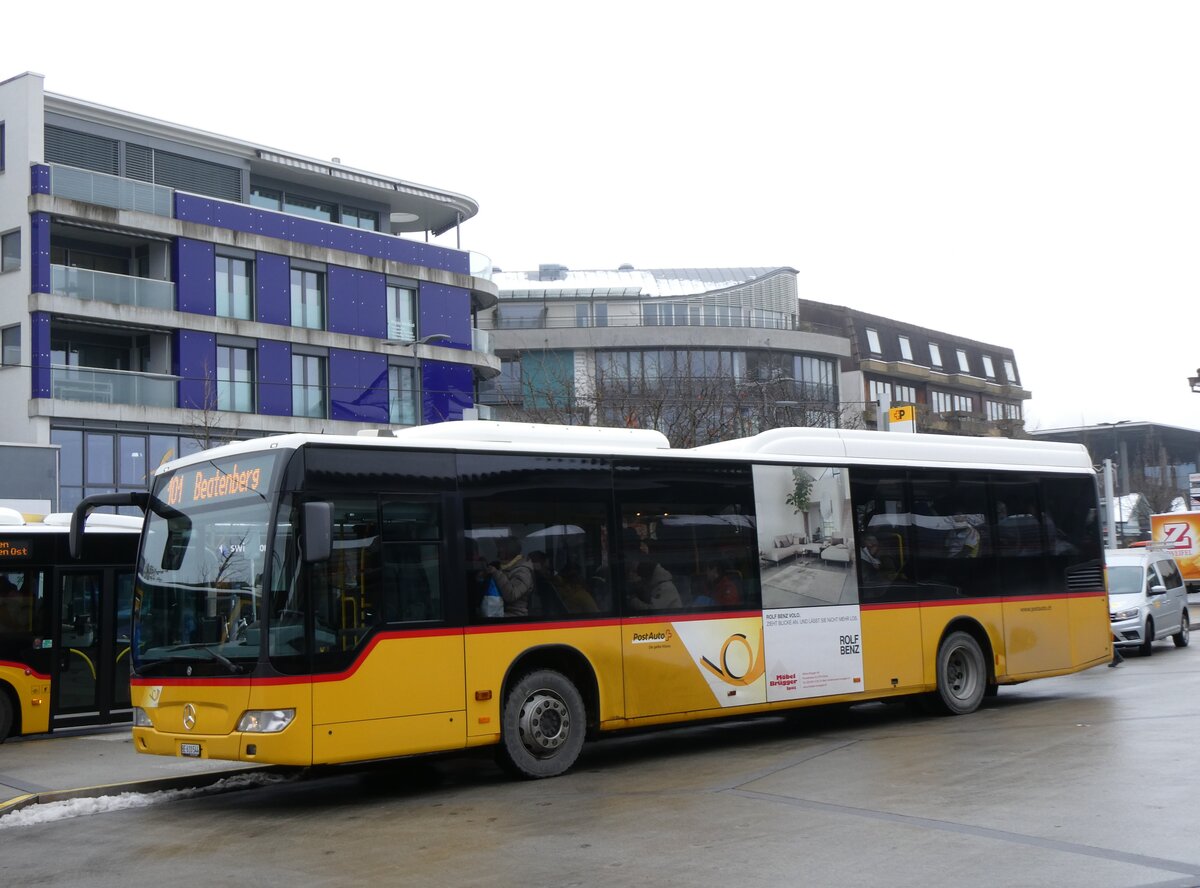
point(542, 726)
point(1146, 648)
point(961, 675)
point(1182, 637)
point(6, 714)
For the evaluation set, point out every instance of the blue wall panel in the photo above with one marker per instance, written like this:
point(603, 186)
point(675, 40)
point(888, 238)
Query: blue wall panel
point(358, 386)
point(195, 276)
point(446, 391)
point(39, 252)
point(445, 309)
point(254, 220)
point(39, 179)
point(357, 302)
point(195, 363)
point(39, 354)
point(273, 289)
point(274, 377)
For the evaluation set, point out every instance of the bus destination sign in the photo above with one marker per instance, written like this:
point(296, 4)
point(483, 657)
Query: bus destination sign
point(213, 482)
point(10, 550)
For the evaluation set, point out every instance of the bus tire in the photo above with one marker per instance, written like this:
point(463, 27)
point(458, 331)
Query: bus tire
point(542, 725)
point(962, 677)
point(6, 713)
point(1183, 636)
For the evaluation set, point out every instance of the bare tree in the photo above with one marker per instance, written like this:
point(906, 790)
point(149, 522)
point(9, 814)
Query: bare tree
point(689, 410)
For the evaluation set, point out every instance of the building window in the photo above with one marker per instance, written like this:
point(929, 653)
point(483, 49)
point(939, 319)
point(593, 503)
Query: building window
point(401, 313)
point(963, 364)
point(904, 394)
point(267, 198)
point(988, 367)
point(873, 341)
point(308, 299)
point(880, 389)
point(308, 206)
point(357, 218)
point(10, 346)
point(402, 395)
point(235, 284)
point(308, 386)
point(582, 316)
point(600, 314)
point(10, 250)
point(235, 379)
point(947, 402)
point(905, 348)
point(935, 355)
point(998, 410)
point(1010, 371)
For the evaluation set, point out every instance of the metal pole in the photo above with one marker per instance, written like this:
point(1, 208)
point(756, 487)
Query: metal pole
point(1112, 504)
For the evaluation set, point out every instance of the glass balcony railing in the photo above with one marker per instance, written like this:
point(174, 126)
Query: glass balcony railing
point(112, 386)
point(481, 340)
point(481, 265)
point(110, 191)
point(118, 289)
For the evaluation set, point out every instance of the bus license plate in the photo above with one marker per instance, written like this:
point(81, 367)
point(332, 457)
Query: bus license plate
point(192, 750)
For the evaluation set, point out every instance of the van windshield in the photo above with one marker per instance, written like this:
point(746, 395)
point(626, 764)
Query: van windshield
point(1125, 579)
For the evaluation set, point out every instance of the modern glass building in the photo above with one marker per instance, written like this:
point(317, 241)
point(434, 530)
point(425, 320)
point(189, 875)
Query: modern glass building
point(700, 354)
point(164, 288)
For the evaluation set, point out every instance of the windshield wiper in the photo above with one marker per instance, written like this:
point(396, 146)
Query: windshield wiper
point(233, 667)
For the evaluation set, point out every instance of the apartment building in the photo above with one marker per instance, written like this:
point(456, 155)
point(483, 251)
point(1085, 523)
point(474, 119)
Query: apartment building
point(163, 288)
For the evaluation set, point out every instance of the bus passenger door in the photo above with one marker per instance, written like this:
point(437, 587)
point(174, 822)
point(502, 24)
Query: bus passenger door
point(390, 672)
point(88, 681)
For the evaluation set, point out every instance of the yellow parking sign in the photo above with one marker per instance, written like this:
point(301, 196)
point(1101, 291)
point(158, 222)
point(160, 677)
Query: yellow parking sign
point(902, 419)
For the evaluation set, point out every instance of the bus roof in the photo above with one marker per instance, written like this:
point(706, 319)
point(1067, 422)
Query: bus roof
point(785, 445)
point(60, 522)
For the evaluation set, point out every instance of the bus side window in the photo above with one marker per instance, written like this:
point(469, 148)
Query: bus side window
point(412, 533)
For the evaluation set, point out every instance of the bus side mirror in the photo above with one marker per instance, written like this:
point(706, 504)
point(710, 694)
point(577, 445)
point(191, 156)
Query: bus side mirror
point(318, 531)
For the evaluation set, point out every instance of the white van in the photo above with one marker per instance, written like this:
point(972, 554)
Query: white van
point(1147, 598)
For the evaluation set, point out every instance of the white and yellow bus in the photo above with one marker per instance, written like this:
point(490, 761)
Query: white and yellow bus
point(64, 623)
point(315, 599)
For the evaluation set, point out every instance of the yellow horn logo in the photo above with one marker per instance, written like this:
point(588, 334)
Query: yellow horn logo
point(740, 664)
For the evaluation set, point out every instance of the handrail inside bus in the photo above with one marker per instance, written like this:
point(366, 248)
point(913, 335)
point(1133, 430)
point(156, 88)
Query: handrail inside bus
point(141, 499)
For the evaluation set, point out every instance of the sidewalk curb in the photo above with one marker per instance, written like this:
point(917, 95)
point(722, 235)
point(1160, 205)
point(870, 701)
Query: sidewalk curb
point(158, 784)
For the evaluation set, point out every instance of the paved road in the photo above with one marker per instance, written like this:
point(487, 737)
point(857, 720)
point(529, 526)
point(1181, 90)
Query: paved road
point(1088, 780)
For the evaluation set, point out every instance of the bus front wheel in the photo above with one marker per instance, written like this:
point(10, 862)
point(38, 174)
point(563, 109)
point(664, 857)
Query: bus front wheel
point(961, 674)
point(542, 725)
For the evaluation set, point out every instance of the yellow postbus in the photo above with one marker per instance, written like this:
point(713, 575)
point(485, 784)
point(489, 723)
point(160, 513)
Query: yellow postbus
point(315, 599)
point(64, 624)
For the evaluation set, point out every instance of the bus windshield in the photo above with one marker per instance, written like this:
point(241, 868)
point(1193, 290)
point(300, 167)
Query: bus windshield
point(199, 592)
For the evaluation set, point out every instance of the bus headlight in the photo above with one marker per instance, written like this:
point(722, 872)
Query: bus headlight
point(1118, 616)
point(265, 721)
point(140, 719)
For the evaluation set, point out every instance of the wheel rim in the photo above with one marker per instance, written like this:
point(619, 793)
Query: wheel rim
point(962, 674)
point(1184, 628)
point(544, 722)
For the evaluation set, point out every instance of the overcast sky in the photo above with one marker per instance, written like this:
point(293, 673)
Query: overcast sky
point(1020, 173)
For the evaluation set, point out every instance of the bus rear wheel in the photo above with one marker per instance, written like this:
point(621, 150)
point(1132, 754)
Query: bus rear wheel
point(6, 714)
point(542, 725)
point(961, 674)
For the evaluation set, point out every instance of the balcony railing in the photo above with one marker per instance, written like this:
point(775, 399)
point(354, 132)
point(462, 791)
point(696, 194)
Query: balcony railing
point(110, 191)
point(112, 386)
point(567, 323)
point(481, 340)
point(118, 289)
